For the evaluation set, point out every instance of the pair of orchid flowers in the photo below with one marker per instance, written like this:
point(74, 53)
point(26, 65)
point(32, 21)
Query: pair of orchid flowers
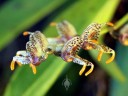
point(66, 46)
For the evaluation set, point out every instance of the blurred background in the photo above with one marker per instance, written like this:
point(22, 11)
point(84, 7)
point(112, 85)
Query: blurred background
point(54, 76)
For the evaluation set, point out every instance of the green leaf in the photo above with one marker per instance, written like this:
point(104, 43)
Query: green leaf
point(118, 88)
point(17, 15)
point(122, 21)
point(80, 14)
point(107, 11)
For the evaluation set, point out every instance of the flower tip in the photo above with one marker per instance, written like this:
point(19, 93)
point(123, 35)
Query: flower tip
point(53, 24)
point(25, 33)
point(110, 24)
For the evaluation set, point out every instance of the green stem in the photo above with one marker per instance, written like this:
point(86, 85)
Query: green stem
point(121, 21)
point(118, 24)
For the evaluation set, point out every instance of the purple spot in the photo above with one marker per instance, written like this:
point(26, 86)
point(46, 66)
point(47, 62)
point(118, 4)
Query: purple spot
point(35, 60)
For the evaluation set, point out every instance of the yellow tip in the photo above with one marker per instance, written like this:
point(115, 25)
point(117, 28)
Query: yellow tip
point(112, 58)
point(125, 42)
point(25, 33)
point(53, 24)
point(33, 68)
point(99, 55)
point(12, 66)
point(82, 70)
point(110, 24)
point(89, 71)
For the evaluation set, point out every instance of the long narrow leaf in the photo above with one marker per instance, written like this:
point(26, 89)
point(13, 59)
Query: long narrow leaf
point(16, 16)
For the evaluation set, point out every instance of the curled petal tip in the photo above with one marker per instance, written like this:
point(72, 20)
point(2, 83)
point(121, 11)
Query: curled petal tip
point(80, 73)
point(12, 65)
point(34, 73)
point(111, 59)
point(33, 68)
point(25, 33)
point(99, 56)
point(53, 24)
point(110, 24)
